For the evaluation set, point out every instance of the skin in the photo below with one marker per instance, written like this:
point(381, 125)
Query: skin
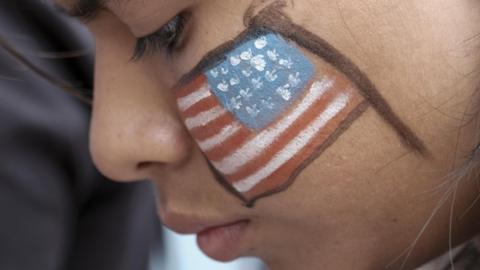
point(367, 197)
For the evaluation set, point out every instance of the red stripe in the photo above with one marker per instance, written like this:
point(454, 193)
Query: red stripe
point(191, 87)
point(213, 128)
point(283, 174)
point(231, 144)
point(288, 135)
point(203, 105)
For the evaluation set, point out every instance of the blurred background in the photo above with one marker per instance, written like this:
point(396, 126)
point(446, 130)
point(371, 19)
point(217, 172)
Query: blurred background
point(57, 211)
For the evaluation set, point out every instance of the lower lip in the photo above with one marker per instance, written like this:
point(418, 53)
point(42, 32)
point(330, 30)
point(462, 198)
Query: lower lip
point(222, 243)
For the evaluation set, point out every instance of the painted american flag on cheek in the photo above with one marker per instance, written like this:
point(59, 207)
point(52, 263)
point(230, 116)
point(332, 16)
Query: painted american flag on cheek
point(264, 112)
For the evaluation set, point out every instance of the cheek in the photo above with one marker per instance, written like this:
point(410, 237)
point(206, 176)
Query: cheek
point(265, 112)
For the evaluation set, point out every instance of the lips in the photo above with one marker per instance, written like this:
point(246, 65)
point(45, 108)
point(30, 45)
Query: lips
point(223, 243)
point(219, 238)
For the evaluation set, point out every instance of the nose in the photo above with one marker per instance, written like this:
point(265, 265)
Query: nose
point(135, 124)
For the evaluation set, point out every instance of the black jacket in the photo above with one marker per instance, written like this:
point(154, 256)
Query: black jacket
point(56, 210)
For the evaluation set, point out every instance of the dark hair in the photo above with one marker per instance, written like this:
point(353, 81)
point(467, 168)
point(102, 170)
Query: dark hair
point(58, 38)
point(85, 95)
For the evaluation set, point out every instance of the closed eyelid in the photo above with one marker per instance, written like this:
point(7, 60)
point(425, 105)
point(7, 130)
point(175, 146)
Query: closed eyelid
point(168, 37)
point(145, 17)
point(84, 10)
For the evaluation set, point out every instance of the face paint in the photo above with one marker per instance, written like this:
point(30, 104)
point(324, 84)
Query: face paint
point(263, 106)
point(264, 112)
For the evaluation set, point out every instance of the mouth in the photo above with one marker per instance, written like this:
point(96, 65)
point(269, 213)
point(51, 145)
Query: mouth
point(224, 242)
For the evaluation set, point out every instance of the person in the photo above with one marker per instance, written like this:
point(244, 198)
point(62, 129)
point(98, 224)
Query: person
point(57, 211)
point(312, 134)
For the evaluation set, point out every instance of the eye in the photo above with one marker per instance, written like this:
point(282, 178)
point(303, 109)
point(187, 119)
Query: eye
point(166, 38)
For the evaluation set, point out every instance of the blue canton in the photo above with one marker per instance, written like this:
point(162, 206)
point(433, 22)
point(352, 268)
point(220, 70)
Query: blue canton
point(260, 79)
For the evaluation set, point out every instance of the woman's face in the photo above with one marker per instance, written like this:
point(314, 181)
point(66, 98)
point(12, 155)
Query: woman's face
point(353, 183)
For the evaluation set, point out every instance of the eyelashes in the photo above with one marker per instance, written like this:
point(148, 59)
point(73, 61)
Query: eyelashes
point(166, 38)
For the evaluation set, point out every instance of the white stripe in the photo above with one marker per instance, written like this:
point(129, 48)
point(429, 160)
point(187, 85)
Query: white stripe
point(225, 133)
point(205, 117)
point(294, 146)
point(186, 102)
point(259, 143)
